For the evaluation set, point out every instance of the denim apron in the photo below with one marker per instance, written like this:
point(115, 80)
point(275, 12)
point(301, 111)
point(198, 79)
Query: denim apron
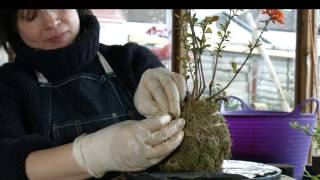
point(84, 103)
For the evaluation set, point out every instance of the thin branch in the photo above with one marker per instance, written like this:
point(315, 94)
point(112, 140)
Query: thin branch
point(223, 38)
point(248, 56)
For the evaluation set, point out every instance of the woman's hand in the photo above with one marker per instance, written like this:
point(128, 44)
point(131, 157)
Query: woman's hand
point(160, 91)
point(129, 145)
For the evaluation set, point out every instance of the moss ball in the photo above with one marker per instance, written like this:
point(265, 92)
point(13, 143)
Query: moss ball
point(206, 143)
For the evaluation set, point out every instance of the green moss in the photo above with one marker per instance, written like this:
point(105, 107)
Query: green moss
point(206, 143)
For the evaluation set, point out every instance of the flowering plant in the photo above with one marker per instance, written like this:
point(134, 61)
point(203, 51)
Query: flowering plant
point(207, 139)
point(196, 45)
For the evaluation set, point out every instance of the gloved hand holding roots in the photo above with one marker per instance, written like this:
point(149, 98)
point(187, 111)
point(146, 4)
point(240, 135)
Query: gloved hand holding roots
point(129, 145)
point(160, 91)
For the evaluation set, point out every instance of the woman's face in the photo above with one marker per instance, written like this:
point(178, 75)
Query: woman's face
point(48, 29)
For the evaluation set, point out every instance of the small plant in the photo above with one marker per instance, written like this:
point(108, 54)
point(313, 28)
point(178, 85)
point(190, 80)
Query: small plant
point(207, 139)
point(312, 177)
point(315, 134)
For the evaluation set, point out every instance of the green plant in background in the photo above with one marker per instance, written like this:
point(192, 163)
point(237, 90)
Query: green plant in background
point(312, 132)
point(312, 177)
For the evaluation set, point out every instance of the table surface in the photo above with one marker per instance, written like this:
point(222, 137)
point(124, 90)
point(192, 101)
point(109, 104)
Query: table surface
point(234, 169)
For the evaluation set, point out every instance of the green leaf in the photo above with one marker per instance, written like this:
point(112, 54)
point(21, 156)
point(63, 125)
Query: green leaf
point(189, 35)
point(207, 45)
point(222, 27)
point(219, 33)
point(206, 20)
point(208, 30)
point(195, 20)
point(234, 67)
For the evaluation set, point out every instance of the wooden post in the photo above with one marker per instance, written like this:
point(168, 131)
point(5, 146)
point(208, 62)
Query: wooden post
point(177, 49)
point(306, 60)
point(305, 55)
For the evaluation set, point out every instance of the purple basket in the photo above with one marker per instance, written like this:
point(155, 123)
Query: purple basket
point(266, 136)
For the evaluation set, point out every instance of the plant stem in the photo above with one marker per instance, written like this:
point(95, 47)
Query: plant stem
point(199, 84)
point(194, 53)
point(223, 38)
point(248, 56)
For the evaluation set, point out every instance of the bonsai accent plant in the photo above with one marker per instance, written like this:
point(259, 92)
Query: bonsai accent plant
point(207, 140)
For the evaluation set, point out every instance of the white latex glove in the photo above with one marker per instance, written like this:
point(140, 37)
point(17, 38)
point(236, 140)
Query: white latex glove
point(128, 145)
point(160, 91)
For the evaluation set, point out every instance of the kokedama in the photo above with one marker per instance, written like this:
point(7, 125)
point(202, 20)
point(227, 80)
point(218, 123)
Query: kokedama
point(207, 140)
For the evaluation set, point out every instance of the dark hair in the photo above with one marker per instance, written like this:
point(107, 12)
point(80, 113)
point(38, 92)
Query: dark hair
point(8, 22)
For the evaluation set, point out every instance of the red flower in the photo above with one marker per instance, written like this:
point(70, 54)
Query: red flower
point(275, 15)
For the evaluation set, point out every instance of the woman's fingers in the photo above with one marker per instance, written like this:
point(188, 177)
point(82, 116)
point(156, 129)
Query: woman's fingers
point(166, 132)
point(166, 147)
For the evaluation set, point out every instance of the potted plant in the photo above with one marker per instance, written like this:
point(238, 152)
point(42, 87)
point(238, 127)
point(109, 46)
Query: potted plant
point(207, 139)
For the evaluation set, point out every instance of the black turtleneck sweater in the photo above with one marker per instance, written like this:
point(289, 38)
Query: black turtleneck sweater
point(21, 116)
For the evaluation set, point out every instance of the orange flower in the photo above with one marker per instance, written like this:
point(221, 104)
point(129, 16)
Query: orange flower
point(275, 15)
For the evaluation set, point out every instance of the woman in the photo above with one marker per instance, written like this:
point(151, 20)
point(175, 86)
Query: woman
point(66, 102)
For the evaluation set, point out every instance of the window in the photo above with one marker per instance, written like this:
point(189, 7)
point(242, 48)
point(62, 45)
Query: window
point(148, 27)
point(257, 83)
point(3, 57)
